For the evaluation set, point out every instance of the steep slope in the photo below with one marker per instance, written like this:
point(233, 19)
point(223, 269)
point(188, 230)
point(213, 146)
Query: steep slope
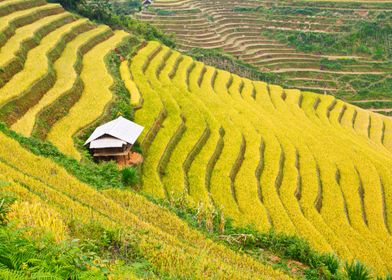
point(293, 161)
point(164, 240)
point(299, 162)
point(50, 55)
point(287, 39)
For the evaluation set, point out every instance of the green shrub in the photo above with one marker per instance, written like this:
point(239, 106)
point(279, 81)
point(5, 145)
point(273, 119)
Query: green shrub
point(162, 12)
point(331, 262)
point(91, 257)
point(130, 176)
point(357, 271)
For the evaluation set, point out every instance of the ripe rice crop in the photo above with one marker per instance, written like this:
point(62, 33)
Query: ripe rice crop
point(273, 158)
point(65, 79)
point(168, 249)
point(43, 220)
point(287, 160)
point(130, 84)
point(97, 82)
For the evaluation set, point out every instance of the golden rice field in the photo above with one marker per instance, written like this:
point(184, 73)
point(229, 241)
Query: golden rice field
point(261, 32)
point(46, 54)
point(297, 162)
point(51, 199)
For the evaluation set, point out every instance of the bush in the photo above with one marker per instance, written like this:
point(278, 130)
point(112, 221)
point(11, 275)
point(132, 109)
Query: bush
point(357, 271)
point(331, 262)
point(130, 176)
point(97, 255)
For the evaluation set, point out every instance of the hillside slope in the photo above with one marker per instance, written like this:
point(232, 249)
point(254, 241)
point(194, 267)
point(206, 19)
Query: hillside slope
point(53, 61)
point(309, 44)
point(299, 162)
point(164, 240)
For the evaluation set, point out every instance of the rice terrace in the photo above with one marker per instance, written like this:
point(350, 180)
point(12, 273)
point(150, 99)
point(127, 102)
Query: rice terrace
point(196, 139)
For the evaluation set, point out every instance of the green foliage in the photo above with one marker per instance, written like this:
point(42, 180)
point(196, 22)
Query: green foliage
point(224, 61)
point(91, 257)
point(365, 37)
point(306, 11)
point(5, 208)
point(121, 105)
point(332, 262)
point(240, 9)
point(162, 12)
point(126, 7)
point(102, 11)
point(33, 259)
point(357, 271)
point(130, 176)
point(335, 64)
point(103, 175)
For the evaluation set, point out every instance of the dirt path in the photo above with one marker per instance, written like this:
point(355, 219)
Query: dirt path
point(370, 100)
point(381, 110)
point(325, 71)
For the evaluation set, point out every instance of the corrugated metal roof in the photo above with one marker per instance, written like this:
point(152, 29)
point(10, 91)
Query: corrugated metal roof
point(120, 128)
point(107, 142)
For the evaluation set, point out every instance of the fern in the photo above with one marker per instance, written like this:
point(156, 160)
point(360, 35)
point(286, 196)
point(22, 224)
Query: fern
point(6, 274)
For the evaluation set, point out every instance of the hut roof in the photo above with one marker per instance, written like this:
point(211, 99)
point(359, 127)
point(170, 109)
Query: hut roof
point(107, 142)
point(118, 129)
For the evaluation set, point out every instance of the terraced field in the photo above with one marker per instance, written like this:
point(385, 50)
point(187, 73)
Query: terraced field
point(295, 161)
point(165, 241)
point(47, 58)
point(249, 30)
point(299, 162)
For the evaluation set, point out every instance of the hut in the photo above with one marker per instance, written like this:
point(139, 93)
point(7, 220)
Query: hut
point(114, 140)
point(146, 3)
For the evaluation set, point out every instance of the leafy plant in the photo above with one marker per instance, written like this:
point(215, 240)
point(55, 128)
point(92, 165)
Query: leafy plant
point(332, 262)
point(130, 176)
point(22, 258)
point(357, 271)
point(5, 208)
